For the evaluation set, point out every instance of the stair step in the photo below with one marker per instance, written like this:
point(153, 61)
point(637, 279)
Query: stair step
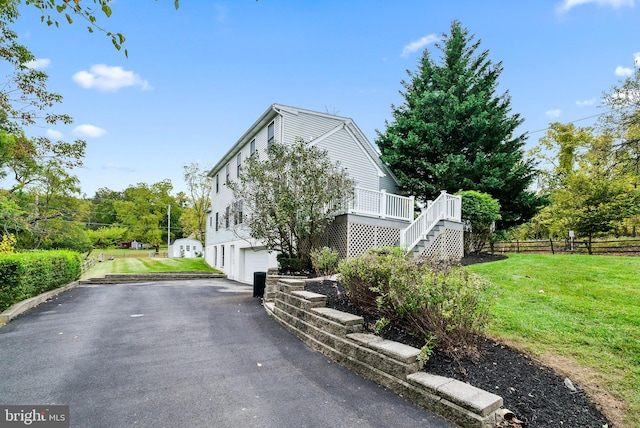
point(159, 276)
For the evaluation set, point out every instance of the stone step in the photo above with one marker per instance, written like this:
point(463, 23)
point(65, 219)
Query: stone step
point(147, 277)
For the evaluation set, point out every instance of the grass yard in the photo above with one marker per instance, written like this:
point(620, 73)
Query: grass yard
point(579, 314)
point(125, 252)
point(147, 264)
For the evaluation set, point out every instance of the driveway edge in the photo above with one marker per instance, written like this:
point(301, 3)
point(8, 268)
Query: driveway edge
point(24, 305)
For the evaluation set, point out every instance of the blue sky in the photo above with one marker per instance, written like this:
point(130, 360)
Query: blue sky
point(198, 77)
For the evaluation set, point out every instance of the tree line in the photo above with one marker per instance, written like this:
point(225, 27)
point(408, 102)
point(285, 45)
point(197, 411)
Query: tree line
point(48, 215)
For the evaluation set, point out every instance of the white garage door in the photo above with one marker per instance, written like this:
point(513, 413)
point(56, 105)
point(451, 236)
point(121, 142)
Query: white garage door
point(254, 261)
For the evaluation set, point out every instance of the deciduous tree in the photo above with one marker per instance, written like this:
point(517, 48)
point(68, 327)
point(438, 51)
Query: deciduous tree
point(590, 193)
point(144, 211)
point(194, 216)
point(622, 121)
point(290, 197)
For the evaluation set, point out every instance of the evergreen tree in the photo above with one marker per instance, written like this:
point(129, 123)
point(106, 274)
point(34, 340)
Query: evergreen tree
point(454, 133)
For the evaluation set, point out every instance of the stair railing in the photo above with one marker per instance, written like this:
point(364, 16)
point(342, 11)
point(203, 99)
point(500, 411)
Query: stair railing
point(445, 207)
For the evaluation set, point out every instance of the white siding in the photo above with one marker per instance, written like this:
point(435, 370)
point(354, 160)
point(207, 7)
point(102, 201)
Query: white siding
point(342, 148)
point(306, 126)
point(389, 184)
point(185, 247)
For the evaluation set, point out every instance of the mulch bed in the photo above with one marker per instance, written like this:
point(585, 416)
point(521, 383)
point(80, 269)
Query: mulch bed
point(537, 396)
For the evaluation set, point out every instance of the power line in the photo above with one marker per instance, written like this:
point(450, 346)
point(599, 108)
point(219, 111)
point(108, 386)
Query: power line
point(573, 121)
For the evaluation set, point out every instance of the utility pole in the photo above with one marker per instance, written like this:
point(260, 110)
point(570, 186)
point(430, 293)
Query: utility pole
point(168, 227)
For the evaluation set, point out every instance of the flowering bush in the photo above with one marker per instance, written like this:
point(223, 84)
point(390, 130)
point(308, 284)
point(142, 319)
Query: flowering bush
point(443, 305)
point(324, 261)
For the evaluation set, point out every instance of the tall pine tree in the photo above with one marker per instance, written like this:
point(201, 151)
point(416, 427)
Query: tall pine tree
point(454, 133)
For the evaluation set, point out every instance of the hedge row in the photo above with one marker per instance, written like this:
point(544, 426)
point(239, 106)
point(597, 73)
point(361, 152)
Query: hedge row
point(25, 275)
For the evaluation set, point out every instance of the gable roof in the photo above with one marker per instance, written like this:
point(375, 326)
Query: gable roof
point(275, 109)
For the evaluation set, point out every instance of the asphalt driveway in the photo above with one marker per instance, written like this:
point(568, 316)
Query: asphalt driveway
point(199, 353)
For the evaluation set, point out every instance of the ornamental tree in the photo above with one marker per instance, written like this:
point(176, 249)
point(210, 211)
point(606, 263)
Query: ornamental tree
point(453, 132)
point(290, 197)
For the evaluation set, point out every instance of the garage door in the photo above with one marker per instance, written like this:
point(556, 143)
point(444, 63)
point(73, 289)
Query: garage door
point(254, 261)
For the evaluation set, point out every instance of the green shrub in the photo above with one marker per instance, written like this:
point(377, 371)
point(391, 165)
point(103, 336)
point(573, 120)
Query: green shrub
point(361, 281)
point(324, 261)
point(443, 305)
point(288, 265)
point(480, 210)
point(25, 275)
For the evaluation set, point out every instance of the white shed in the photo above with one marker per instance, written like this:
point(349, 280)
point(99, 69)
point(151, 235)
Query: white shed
point(186, 247)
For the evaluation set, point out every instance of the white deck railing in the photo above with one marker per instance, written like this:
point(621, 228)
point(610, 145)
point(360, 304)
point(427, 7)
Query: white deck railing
point(381, 204)
point(445, 207)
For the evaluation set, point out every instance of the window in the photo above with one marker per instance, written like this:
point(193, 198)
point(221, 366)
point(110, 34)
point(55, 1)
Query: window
point(188, 247)
point(228, 173)
point(238, 164)
point(271, 133)
point(237, 212)
point(210, 221)
point(217, 220)
point(215, 255)
point(217, 183)
point(226, 217)
point(252, 147)
point(222, 261)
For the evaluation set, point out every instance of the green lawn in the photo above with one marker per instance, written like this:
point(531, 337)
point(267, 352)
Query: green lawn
point(140, 262)
point(582, 308)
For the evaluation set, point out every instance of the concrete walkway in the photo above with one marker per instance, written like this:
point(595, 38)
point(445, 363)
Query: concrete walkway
point(200, 353)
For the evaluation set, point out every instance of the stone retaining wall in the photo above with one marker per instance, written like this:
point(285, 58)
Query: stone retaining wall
point(391, 364)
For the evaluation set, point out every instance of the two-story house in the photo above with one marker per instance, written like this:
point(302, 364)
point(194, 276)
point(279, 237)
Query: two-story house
point(377, 216)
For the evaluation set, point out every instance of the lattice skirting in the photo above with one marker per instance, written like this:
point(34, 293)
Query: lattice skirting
point(448, 245)
point(365, 236)
point(336, 237)
point(352, 239)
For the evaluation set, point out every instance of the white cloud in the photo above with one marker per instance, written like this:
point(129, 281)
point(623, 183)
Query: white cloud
point(567, 5)
point(89, 131)
point(636, 59)
point(418, 44)
point(53, 135)
point(109, 78)
point(623, 71)
point(39, 63)
point(553, 113)
point(585, 103)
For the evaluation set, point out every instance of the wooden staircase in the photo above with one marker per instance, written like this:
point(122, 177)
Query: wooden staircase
point(440, 217)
